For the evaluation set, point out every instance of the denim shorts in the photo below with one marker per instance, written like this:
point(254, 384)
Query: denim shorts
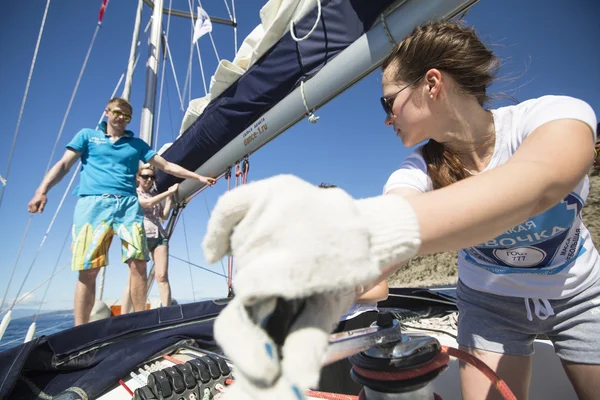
point(96, 220)
point(509, 325)
point(153, 243)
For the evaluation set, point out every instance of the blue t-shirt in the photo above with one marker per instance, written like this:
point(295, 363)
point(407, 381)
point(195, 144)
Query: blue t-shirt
point(109, 167)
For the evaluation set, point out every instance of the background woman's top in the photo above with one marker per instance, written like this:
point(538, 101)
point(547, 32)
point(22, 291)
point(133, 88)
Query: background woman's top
point(152, 216)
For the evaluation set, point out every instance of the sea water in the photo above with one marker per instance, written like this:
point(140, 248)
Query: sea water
point(45, 325)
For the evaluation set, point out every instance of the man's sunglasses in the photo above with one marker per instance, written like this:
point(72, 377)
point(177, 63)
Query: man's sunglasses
point(387, 102)
point(118, 114)
point(146, 177)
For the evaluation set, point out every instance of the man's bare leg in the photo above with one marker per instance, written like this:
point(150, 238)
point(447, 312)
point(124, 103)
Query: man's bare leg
point(126, 299)
point(85, 295)
point(137, 283)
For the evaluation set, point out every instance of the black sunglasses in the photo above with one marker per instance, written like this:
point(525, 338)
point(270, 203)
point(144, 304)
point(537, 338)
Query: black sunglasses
point(147, 177)
point(387, 102)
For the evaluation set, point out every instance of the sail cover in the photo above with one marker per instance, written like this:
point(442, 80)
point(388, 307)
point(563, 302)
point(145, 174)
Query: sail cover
point(84, 361)
point(270, 79)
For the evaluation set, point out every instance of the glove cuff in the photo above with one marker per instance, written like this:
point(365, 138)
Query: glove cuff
point(393, 229)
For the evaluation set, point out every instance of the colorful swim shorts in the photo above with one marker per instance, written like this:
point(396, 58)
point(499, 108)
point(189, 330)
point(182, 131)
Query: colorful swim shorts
point(96, 220)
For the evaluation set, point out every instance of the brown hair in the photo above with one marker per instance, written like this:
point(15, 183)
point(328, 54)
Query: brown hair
point(456, 50)
point(120, 102)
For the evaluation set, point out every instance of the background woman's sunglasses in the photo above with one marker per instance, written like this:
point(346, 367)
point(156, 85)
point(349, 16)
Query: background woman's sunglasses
point(146, 177)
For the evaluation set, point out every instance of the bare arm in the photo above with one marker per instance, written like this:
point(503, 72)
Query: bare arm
point(167, 208)
point(178, 171)
point(550, 162)
point(151, 202)
point(54, 176)
point(377, 293)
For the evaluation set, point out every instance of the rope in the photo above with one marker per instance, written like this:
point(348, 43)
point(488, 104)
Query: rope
point(187, 250)
point(36, 288)
point(387, 30)
point(198, 52)
point(312, 118)
point(498, 383)
point(211, 36)
point(235, 39)
point(62, 126)
point(197, 266)
point(423, 298)
point(330, 396)
point(21, 110)
point(12, 273)
point(174, 73)
point(312, 29)
point(189, 71)
point(47, 232)
point(221, 260)
point(50, 279)
point(440, 361)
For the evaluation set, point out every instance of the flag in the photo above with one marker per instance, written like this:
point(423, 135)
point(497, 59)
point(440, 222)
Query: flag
point(203, 25)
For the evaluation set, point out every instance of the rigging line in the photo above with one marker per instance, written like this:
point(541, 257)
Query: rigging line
point(150, 282)
point(17, 301)
point(212, 39)
point(228, 10)
point(174, 73)
point(406, 296)
point(189, 69)
point(235, 38)
point(12, 273)
point(22, 109)
point(221, 260)
point(293, 34)
point(62, 126)
point(196, 265)
point(47, 231)
point(187, 250)
point(50, 281)
point(198, 52)
point(162, 79)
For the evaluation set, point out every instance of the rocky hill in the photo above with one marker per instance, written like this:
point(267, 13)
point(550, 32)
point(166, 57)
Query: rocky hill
point(440, 269)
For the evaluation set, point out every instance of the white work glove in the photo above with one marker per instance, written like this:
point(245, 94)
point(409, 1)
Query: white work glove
point(311, 248)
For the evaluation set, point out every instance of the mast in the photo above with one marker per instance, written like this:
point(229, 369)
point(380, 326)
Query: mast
point(134, 40)
point(147, 119)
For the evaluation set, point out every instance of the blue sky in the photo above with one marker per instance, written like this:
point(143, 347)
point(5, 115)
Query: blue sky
point(551, 46)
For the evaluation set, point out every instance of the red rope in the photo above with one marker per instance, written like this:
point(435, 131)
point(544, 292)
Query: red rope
point(330, 396)
point(438, 362)
point(498, 383)
point(125, 387)
point(442, 359)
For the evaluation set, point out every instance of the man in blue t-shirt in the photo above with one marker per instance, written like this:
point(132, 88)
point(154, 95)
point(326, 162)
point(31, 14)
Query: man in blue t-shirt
point(108, 203)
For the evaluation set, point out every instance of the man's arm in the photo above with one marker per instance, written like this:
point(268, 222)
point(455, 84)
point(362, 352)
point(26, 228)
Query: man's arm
point(178, 171)
point(55, 175)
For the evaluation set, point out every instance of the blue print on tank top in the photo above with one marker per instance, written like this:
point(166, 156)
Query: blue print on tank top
point(545, 244)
